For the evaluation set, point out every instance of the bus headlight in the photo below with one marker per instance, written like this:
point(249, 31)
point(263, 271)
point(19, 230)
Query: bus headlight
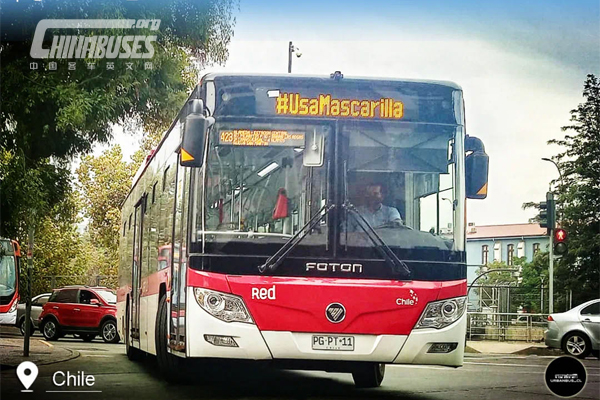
point(13, 308)
point(439, 314)
point(226, 307)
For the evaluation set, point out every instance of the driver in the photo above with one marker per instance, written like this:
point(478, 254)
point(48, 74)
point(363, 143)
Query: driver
point(374, 211)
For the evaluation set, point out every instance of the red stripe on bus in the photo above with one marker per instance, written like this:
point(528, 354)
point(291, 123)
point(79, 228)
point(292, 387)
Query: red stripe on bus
point(208, 280)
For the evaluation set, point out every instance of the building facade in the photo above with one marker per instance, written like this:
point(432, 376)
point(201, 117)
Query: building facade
point(489, 243)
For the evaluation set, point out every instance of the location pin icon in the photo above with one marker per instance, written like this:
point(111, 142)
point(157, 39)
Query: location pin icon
point(27, 372)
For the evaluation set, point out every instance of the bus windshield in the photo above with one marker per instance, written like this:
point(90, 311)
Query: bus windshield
point(395, 178)
point(399, 182)
point(261, 194)
point(8, 272)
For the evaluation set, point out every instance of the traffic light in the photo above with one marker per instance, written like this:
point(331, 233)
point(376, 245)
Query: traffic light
point(560, 242)
point(547, 214)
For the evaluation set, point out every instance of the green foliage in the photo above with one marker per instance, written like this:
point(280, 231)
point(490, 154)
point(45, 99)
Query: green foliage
point(27, 195)
point(104, 182)
point(579, 197)
point(64, 112)
point(48, 117)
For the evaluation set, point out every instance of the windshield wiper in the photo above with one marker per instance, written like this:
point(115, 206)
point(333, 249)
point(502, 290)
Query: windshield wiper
point(276, 259)
point(398, 266)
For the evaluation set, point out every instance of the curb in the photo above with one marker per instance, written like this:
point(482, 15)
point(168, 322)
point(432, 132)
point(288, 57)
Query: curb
point(471, 350)
point(539, 351)
point(72, 355)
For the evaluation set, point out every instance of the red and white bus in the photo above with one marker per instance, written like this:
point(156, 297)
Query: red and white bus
point(10, 255)
point(312, 222)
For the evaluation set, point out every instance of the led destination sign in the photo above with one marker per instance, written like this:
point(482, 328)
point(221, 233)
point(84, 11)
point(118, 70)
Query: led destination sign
point(327, 106)
point(248, 137)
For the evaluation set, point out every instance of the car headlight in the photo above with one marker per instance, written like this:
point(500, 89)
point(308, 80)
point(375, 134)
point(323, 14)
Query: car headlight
point(13, 307)
point(439, 314)
point(226, 307)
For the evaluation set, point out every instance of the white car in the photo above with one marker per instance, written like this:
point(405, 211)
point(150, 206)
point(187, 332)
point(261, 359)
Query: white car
point(37, 303)
point(576, 331)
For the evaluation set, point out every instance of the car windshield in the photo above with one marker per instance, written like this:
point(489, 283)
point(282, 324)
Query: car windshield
point(108, 296)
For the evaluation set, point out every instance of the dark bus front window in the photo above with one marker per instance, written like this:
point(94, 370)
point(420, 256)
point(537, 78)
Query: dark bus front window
point(258, 193)
point(400, 180)
point(8, 275)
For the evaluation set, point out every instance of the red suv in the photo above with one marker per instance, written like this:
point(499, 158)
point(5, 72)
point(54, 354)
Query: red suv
point(85, 311)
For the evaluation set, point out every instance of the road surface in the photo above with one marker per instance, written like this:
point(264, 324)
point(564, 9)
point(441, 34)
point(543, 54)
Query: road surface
point(482, 377)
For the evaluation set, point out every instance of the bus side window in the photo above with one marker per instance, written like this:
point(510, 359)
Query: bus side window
point(164, 182)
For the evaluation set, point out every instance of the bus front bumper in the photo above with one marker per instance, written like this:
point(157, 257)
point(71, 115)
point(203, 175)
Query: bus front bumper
point(251, 343)
point(9, 318)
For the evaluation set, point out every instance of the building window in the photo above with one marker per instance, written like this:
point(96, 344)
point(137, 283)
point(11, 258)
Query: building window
point(485, 250)
point(521, 249)
point(154, 192)
point(536, 248)
point(497, 252)
point(511, 253)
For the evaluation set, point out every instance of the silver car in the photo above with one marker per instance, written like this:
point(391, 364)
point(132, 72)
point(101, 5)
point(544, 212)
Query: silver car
point(576, 331)
point(37, 303)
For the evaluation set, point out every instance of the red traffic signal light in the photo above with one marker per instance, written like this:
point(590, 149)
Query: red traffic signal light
point(560, 245)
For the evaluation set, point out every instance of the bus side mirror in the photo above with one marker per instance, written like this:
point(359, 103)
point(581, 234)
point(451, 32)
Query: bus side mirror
point(476, 175)
point(195, 129)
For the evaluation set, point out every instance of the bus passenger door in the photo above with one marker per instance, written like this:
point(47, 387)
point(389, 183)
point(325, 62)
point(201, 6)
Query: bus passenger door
point(136, 270)
point(178, 271)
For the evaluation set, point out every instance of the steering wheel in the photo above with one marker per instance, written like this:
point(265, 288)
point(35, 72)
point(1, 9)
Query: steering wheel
point(396, 224)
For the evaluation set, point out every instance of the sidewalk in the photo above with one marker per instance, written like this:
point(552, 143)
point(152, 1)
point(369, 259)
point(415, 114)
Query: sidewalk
point(40, 352)
point(519, 348)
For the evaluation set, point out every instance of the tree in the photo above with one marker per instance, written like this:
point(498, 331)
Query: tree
point(59, 114)
point(579, 197)
point(104, 182)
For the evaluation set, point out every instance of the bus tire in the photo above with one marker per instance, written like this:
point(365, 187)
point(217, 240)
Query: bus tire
point(168, 364)
point(369, 375)
point(133, 354)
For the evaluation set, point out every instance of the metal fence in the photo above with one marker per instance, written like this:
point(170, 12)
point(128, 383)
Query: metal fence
point(506, 326)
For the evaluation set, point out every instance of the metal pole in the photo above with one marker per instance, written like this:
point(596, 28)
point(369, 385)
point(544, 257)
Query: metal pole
point(551, 275)
point(290, 50)
point(542, 299)
point(28, 304)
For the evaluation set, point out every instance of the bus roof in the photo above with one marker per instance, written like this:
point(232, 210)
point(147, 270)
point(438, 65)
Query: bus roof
point(212, 75)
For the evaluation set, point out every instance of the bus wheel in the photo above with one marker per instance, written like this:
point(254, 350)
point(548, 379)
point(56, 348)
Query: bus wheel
point(133, 354)
point(369, 375)
point(170, 366)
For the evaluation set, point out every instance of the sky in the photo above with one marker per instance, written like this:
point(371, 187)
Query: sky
point(521, 66)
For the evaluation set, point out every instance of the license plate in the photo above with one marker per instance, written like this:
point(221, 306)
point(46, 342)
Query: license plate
point(326, 342)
